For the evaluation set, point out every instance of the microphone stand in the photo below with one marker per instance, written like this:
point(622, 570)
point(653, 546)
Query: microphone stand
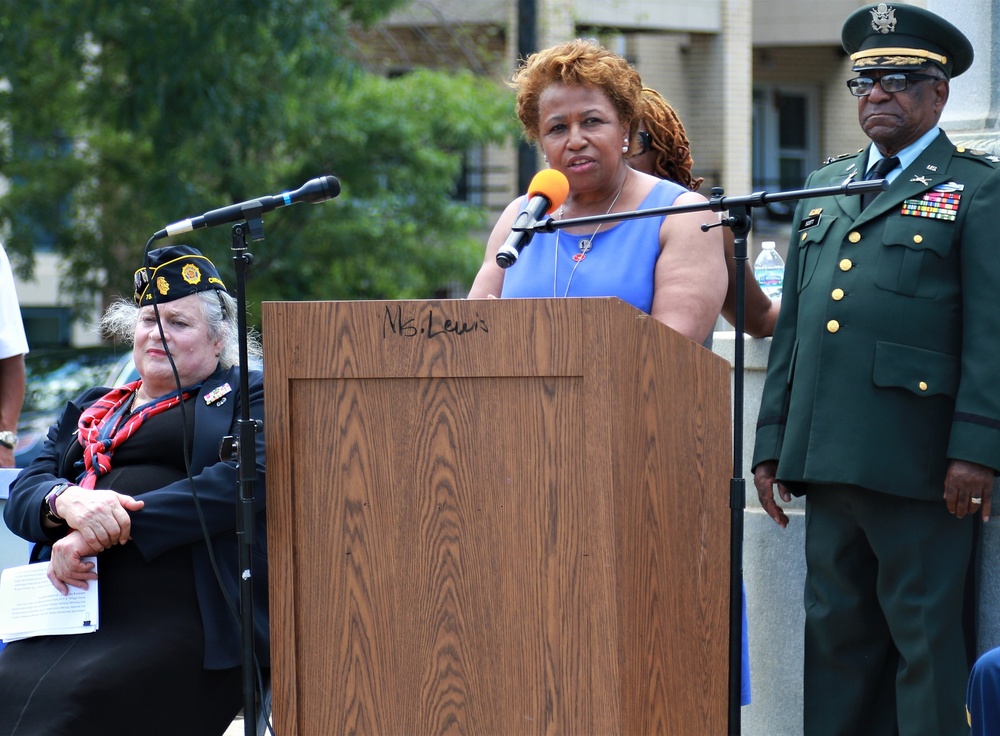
point(740, 222)
point(243, 449)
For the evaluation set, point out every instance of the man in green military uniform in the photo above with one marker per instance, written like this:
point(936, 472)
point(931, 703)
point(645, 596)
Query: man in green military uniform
point(882, 398)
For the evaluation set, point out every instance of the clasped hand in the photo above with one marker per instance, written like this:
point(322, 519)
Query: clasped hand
point(97, 520)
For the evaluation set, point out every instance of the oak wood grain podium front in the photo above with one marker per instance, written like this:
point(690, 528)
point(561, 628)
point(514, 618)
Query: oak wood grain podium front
point(495, 517)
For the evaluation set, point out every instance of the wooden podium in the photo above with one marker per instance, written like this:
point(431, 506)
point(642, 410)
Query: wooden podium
point(495, 517)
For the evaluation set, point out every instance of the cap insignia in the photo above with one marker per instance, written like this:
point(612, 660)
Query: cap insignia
point(190, 274)
point(162, 285)
point(883, 18)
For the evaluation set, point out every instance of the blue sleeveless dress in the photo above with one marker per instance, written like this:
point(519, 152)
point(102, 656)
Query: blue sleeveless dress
point(620, 262)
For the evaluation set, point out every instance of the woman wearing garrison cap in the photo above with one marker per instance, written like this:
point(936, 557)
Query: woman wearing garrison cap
point(133, 476)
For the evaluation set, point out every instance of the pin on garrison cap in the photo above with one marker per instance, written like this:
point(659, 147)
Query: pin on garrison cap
point(904, 38)
point(173, 272)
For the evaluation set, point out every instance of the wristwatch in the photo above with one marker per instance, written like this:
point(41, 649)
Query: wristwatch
point(49, 507)
point(8, 439)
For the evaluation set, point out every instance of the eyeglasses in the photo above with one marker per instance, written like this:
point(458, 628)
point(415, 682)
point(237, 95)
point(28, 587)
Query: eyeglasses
point(861, 86)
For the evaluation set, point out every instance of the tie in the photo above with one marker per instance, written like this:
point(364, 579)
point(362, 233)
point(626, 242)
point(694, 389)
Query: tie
point(879, 170)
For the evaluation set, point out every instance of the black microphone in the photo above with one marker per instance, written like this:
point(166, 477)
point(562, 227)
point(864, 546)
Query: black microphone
point(547, 191)
point(314, 190)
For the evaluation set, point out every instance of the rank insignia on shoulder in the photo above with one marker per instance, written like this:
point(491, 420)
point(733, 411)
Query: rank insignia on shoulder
point(817, 211)
point(990, 159)
point(842, 156)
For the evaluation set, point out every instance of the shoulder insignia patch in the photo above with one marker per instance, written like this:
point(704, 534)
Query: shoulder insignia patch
point(841, 157)
point(978, 155)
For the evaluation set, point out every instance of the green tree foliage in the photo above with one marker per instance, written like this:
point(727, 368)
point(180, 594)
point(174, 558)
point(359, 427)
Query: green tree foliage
point(120, 117)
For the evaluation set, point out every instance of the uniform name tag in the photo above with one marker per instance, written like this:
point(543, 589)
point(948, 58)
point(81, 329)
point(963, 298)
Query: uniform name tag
point(808, 222)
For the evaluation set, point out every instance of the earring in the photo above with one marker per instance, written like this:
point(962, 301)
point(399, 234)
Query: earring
point(625, 147)
point(546, 160)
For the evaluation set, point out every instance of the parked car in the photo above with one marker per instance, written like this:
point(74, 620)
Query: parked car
point(53, 378)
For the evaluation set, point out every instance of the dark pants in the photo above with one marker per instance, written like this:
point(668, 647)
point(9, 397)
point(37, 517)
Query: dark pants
point(884, 642)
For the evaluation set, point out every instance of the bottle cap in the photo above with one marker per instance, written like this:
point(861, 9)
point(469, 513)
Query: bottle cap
point(767, 244)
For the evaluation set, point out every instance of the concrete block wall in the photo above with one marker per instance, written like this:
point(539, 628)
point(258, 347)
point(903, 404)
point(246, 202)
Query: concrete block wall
point(774, 574)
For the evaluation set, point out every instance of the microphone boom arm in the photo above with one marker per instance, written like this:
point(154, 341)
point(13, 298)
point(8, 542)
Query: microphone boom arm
point(715, 203)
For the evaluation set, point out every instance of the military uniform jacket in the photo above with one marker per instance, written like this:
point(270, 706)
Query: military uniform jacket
point(885, 362)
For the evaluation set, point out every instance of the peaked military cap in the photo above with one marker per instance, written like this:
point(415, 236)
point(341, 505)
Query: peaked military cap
point(173, 272)
point(904, 38)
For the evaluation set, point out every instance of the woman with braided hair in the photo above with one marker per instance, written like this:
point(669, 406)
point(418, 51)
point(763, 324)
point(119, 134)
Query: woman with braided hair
point(664, 151)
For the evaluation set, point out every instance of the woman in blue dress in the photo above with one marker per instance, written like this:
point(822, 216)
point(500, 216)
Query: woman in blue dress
point(582, 105)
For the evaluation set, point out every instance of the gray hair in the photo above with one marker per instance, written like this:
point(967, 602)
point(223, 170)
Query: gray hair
point(220, 311)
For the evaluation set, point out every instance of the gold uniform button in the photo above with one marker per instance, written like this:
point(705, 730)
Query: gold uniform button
point(833, 326)
point(918, 239)
point(922, 385)
point(837, 294)
point(854, 237)
point(846, 265)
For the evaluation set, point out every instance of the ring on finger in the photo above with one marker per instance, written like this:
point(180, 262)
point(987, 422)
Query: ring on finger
point(976, 500)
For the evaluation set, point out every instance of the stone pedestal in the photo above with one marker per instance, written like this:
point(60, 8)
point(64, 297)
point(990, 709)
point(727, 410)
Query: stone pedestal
point(774, 573)
point(973, 111)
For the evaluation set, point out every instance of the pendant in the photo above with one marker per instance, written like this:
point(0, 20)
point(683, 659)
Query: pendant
point(585, 245)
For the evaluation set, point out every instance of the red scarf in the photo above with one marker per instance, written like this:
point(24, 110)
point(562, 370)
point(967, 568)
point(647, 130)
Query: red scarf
point(107, 423)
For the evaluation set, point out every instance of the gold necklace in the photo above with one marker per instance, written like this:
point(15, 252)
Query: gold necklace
point(585, 245)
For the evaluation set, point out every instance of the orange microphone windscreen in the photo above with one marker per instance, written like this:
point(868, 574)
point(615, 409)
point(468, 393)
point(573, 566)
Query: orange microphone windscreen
point(551, 184)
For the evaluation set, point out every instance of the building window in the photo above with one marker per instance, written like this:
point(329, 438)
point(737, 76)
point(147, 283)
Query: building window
point(41, 225)
point(784, 139)
point(48, 327)
point(470, 186)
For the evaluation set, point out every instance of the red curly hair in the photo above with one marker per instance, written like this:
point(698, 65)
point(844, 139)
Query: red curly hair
point(579, 63)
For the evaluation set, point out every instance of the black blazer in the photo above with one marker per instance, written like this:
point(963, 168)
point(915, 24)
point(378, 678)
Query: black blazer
point(169, 519)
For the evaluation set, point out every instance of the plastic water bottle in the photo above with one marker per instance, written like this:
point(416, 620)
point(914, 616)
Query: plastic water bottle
point(769, 269)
